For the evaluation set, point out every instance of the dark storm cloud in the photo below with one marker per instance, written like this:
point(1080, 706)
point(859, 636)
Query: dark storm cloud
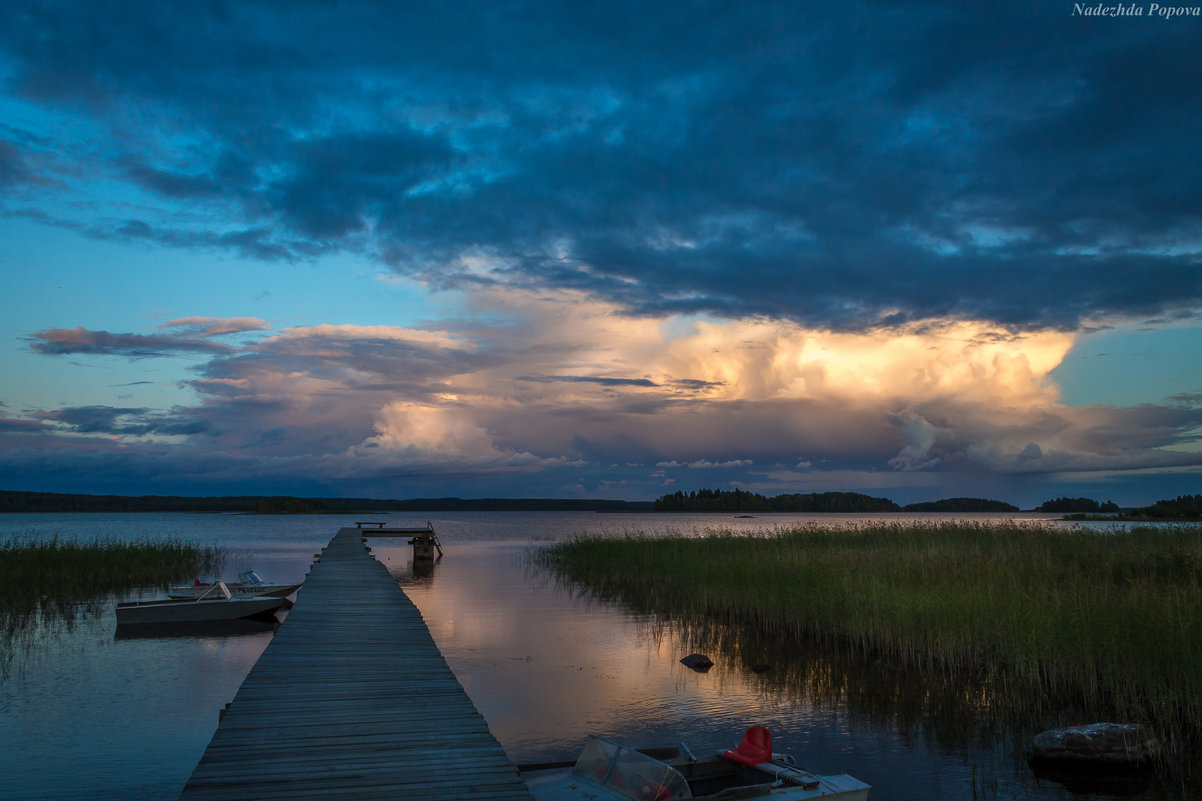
point(339, 182)
point(844, 165)
point(10, 425)
point(228, 170)
point(696, 384)
point(590, 379)
point(1186, 398)
point(26, 167)
point(124, 421)
point(260, 243)
point(13, 169)
point(336, 351)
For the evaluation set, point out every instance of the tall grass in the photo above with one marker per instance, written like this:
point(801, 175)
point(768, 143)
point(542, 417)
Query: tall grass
point(1035, 617)
point(46, 579)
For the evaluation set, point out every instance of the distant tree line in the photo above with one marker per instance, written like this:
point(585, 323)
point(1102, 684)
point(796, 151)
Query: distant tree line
point(37, 502)
point(961, 505)
point(293, 506)
point(1086, 505)
point(709, 500)
point(1183, 507)
point(66, 502)
point(518, 505)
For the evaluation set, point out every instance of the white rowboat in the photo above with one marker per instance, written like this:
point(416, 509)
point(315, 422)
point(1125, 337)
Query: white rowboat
point(217, 604)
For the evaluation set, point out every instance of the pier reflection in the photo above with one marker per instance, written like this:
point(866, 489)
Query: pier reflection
point(424, 568)
point(416, 572)
point(211, 628)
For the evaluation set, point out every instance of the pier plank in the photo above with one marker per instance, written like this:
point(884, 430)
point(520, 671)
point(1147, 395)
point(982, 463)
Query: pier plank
point(352, 699)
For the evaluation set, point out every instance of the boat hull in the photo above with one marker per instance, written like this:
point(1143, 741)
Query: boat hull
point(177, 611)
point(561, 785)
point(607, 771)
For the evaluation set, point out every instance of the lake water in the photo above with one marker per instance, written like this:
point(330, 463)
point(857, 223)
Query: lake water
point(87, 715)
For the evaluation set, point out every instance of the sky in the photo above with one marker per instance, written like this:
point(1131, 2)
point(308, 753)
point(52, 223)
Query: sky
point(545, 249)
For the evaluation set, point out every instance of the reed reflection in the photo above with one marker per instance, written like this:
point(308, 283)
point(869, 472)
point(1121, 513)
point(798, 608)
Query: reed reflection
point(954, 709)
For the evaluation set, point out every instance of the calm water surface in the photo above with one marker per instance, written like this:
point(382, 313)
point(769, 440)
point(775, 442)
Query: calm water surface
point(85, 715)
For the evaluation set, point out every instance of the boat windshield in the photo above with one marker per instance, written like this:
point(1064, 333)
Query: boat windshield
point(250, 577)
point(216, 591)
point(629, 773)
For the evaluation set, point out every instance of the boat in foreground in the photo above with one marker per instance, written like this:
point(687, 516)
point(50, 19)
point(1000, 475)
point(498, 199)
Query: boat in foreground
point(248, 585)
point(607, 770)
point(217, 604)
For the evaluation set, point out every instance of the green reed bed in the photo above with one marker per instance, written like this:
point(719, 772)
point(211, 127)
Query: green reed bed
point(1040, 618)
point(46, 578)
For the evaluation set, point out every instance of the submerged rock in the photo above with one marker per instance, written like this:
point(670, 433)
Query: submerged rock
point(1112, 744)
point(698, 662)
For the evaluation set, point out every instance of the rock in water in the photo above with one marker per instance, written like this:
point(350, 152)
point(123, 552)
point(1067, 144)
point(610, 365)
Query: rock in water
point(699, 662)
point(1114, 744)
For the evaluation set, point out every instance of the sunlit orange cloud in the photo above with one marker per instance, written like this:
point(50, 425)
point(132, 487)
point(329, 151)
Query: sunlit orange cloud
point(443, 434)
point(558, 380)
point(344, 333)
point(702, 389)
point(762, 359)
point(756, 360)
point(214, 326)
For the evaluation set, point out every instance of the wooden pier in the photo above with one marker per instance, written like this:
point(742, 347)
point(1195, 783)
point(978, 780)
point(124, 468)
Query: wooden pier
point(352, 699)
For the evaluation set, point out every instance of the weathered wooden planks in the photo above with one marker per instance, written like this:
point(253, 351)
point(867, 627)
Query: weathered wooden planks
point(352, 699)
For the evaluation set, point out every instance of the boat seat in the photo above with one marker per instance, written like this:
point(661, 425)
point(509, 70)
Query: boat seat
point(755, 748)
